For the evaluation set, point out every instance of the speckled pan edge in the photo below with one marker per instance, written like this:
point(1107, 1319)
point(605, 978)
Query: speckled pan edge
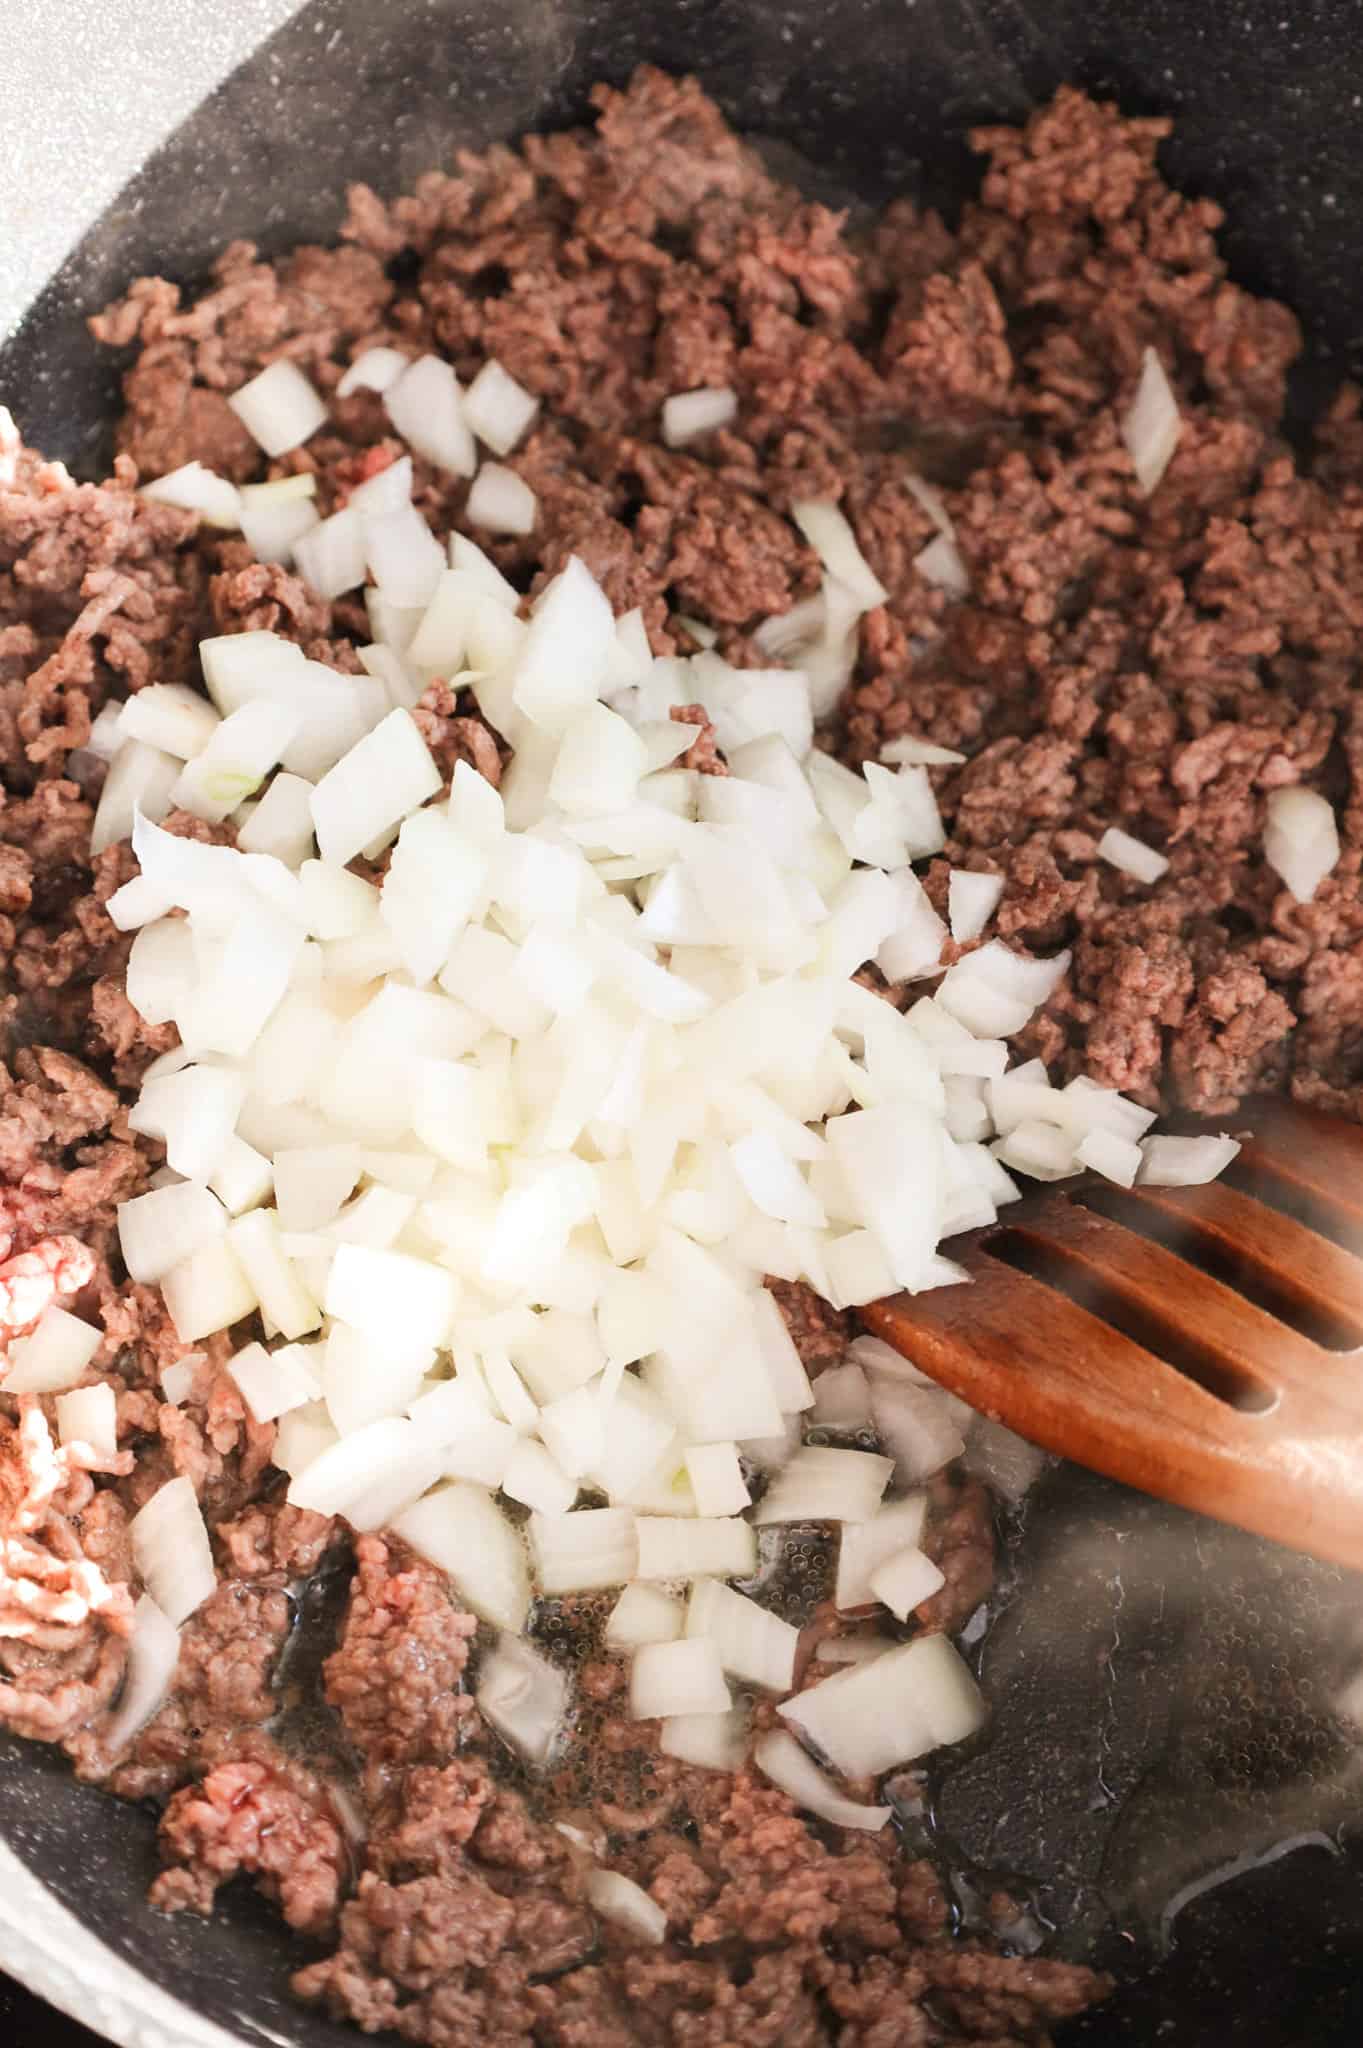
point(48, 1949)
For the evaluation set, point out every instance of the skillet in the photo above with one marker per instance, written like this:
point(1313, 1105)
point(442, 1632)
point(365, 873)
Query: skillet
point(1171, 1785)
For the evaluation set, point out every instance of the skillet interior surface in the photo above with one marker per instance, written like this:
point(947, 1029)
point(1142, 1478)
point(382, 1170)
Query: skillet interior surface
point(1165, 1690)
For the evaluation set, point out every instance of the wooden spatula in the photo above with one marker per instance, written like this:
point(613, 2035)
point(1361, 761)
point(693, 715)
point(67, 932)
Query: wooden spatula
point(1203, 1344)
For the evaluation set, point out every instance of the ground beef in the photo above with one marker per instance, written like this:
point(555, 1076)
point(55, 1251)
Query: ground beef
point(1161, 663)
point(267, 1819)
point(396, 1677)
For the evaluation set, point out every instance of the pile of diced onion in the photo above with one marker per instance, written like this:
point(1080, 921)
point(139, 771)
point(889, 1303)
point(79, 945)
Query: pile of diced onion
point(502, 1147)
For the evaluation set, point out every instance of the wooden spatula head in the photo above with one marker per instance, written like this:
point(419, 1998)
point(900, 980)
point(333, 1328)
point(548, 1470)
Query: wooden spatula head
point(1202, 1344)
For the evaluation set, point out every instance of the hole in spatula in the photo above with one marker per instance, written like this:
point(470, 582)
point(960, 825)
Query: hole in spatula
point(1330, 1220)
point(1198, 1246)
point(1138, 1321)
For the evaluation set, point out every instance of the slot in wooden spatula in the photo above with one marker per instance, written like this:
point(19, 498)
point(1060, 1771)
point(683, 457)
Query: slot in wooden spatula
point(1203, 1344)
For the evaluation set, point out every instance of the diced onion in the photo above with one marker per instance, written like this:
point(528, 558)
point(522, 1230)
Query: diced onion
point(754, 1646)
point(498, 409)
point(500, 501)
point(825, 1485)
point(389, 773)
point(584, 1551)
point(275, 516)
point(1301, 839)
point(1185, 1162)
point(140, 778)
point(618, 1898)
point(941, 564)
point(53, 1356)
point(690, 414)
point(1152, 424)
point(1132, 856)
point(196, 489)
point(682, 1677)
point(461, 1530)
point(971, 901)
point(644, 1614)
point(679, 1547)
point(1117, 1159)
point(279, 409)
point(425, 405)
point(713, 1742)
point(157, 1230)
point(905, 1580)
point(827, 530)
point(523, 1697)
point(890, 1710)
point(864, 1546)
point(153, 1655)
point(170, 716)
point(331, 556)
point(89, 1416)
point(172, 1551)
point(717, 1479)
point(374, 369)
point(779, 1757)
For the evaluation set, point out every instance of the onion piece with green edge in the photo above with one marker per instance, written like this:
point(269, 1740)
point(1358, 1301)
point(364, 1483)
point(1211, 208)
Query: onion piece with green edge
point(619, 1899)
point(523, 1697)
point(172, 1552)
point(243, 749)
point(460, 1529)
point(682, 1677)
point(779, 1757)
point(873, 1716)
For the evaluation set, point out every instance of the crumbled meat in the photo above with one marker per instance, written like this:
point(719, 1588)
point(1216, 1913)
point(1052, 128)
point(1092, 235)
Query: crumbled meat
point(396, 1677)
point(265, 1819)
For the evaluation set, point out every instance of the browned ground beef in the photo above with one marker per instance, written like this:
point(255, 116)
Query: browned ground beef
point(1158, 664)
